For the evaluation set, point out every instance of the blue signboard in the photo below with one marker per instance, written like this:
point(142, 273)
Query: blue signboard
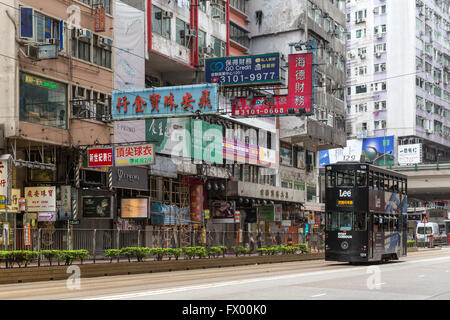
point(165, 101)
point(264, 68)
point(379, 151)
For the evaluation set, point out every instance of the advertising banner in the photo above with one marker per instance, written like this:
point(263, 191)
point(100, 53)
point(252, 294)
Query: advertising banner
point(196, 207)
point(300, 82)
point(100, 157)
point(99, 19)
point(165, 101)
point(6, 176)
point(41, 199)
point(352, 152)
point(223, 211)
point(130, 178)
point(96, 206)
point(129, 43)
point(129, 131)
point(171, 136)
point(263, 69)
point(379, 151)
point(410, 154)
point(135, 208)
point(136, 155)
point(47, 216)
point(206, 141)
point(261, 106)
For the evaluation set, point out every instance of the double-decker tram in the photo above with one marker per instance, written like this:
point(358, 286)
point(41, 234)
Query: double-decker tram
point(366, 213)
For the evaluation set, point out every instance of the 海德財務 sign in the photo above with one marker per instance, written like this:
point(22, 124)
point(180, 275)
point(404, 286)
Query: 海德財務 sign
point(264, 68)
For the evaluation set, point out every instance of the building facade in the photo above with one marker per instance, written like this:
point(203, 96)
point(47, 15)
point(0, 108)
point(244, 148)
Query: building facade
point(397, 74)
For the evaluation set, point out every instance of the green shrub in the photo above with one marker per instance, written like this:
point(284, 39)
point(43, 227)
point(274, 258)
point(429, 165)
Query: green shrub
point(213, 252)
point(128, 252)
point(50, 255)
point(239, 250)
point(200, 252)
point(158, 253)
point(189, 252)
point(287, 249)
point(141, 253)
point(411, 243)
point(112, 253)
point(223, 249)
point(81, 255)
point(168, 252)
point(177, 253)
point(262, 251)
point(68, 256)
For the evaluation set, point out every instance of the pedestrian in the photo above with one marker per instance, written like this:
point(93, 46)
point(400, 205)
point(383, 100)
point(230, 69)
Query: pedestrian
point(258, 240)
point(278, 238)
point(252, 244)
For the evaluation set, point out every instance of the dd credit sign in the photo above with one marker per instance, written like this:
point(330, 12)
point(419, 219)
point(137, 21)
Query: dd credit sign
point(264, 68)
point(100, 157)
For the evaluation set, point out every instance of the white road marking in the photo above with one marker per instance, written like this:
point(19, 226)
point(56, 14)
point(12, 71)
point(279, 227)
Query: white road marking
point(247, 281)
point(319, 295)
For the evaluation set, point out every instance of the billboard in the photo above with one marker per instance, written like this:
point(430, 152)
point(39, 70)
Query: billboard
point(378, 151)
point(409, 154)
point(165, 101)
point(241, 70)
point(223, 211)
point(135, 208)
point(100, 157)
point(41, 199)
point(260, 106)
point(97, 206)
point(136, 155)
point(352, 152)
point(301, 82)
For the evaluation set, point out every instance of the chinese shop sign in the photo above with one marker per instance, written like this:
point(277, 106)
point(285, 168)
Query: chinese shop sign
point(99, 19)
point(260, 106)
point(300, 82)
point(165, 101)
point(5, 177)
point(41, 199)
point(135, 155)
point(242, 70)
point(100, 157)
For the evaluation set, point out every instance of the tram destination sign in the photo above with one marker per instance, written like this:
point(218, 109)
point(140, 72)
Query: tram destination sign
point(242, 70)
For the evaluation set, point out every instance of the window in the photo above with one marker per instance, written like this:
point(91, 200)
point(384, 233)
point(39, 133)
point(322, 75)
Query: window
point(359, 221)
point(101, 52)
point(339, 221)
point(218, 46)
point(39, 28)
point(81, 47)
point(159, 24)
point(361, 178)
point(345, 178)
point(239, 35)
point(238, 4)
point(181, 32)
point(330, 179)
point(43, 101)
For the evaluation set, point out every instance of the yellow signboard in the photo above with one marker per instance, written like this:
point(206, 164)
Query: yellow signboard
point(345, 202)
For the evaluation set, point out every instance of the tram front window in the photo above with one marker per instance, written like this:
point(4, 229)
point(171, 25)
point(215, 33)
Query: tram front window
point(339, 221)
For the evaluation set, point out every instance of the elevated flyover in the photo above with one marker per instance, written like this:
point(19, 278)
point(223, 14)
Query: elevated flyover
point(427, 182)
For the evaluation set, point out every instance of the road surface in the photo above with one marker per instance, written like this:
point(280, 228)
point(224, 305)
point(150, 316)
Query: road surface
point(420, 275)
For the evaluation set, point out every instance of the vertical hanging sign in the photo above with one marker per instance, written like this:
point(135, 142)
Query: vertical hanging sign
point(99, 19)
point(301, 82)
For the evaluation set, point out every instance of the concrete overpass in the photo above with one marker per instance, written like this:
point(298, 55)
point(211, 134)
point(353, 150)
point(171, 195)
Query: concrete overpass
point(427, 182)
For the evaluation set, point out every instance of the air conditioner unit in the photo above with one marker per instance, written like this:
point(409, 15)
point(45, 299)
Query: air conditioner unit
point(51, 41)
point(379, 35)
point(167, 15)
point(83, 33)
point(32, 51)
point(429, 131)
point(188, 33)
point(208, 51)
point(362, 55)
point(378, 54)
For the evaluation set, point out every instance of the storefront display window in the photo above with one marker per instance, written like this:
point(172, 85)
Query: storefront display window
point(43, 101)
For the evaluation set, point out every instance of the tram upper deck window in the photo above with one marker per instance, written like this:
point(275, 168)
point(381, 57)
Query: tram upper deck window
point(361, 178)
point(331, 179)
point(345, 178)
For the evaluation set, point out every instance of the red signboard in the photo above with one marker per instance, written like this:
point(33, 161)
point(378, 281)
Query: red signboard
point(298, 100)
point(100, 157)
point(260, 106)
point(99, 19)
point(300, 81)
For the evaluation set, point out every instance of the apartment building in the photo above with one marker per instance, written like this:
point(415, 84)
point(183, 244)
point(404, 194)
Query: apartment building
point(397, 73)
point(56, 82)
